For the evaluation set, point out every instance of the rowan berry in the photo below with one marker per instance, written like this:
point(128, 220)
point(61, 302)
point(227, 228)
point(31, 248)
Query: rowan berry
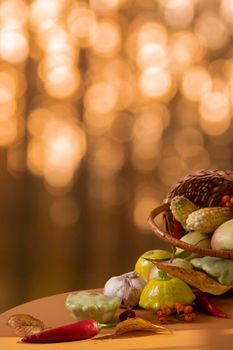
point(188, 309)
point(225, 198)
point(162, 319)
point(179, 306)
point(166, 311)
point(189, 317)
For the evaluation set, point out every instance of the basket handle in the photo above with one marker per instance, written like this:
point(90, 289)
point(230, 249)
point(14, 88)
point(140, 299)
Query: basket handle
point(168, 238)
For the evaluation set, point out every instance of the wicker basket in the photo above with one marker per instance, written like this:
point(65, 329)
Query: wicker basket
point(204, 188)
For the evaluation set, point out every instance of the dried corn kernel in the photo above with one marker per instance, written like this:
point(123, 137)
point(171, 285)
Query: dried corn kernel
point(181, 207)
point(206, 220)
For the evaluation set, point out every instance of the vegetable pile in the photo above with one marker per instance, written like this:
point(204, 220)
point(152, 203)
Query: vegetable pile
point(182, 277)
point(174, 286)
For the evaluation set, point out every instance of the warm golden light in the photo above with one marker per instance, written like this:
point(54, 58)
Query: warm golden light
point(155, 82)
point(178, 13)
point(214, 112)
point(174, 162)
point(214, 106)
point(82, 24)
point(196, 82)
point(106, 40)
point(62, 82)
point(11, 125)
point(57, 146)
point(129, 78)
point(215, 128)
point(8, 106)
point(7, 96)
point(44, 14)
point(147, 136)
point(38, 119)
point(106, 6)
point(148, 127)
point(8, 132)
point(211, 30)
point(152, 54)
point(184, 49)
point(13, 46)
point(226, 11)
point(189, 142)
point(107, 159)
point(13, 14)
point(98, 124)
point(56, 41)
point(120, 73)
point(152, 32)
point(8, 83)
point(101, 98)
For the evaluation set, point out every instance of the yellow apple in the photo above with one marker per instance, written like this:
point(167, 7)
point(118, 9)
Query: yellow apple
point(143, 266)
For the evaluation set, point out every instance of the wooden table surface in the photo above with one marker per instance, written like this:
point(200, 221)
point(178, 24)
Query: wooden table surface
point(205, 333)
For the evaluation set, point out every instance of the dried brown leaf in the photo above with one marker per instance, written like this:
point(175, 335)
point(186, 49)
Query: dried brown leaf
point(24, 324)
point(137, 324)
point(195, 279)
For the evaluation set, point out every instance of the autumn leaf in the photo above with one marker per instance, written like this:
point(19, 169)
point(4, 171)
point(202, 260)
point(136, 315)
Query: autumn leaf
point(24, 324)
point(137, 324)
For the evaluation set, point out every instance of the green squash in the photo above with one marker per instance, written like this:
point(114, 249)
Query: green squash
point(218, 268)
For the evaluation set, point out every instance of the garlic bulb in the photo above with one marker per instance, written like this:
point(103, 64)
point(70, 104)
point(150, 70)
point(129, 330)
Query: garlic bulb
point(127, 286)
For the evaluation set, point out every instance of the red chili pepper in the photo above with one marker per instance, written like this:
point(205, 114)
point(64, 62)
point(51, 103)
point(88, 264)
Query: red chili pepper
point(75, 331)
point(177, 228)
point(203, 303)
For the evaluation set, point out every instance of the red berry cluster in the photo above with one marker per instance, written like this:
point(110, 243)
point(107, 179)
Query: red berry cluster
point(180, 312)
point(227, 200)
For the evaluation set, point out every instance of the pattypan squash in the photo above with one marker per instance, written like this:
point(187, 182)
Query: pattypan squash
point(220, 269)
point(165, 289)
point(92, 305)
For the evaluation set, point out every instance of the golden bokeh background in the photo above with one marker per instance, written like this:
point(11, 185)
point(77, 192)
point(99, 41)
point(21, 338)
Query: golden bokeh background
point(104, 104)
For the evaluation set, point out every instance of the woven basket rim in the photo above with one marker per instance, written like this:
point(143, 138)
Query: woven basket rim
point(204, 187)
point(211, 175)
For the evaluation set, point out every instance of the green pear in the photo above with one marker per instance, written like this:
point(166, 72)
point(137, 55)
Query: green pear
point(222, 237)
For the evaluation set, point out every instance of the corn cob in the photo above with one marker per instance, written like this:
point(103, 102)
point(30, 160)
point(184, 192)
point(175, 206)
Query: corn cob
point(181, 207)
point(206, 220)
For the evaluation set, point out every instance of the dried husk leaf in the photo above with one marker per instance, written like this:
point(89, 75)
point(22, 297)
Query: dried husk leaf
point(195, 279)
point(137, 324)
point(24, 324)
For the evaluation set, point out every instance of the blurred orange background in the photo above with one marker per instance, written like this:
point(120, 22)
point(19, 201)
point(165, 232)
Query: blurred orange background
point(104, 104)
